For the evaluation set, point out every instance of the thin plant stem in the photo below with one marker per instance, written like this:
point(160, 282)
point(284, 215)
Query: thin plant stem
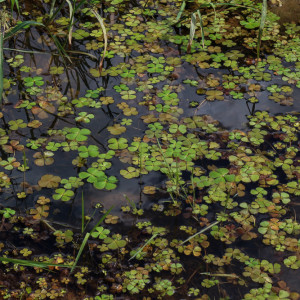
point(201, 231)
point(219, 275)
point(131, 203)
point(13, 3)
point(52, 8)
point(53, 14)
point(52, 53)
point(141, 249)
point(181, 10)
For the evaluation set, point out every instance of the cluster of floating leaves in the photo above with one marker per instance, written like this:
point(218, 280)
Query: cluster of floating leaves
point(221, 188)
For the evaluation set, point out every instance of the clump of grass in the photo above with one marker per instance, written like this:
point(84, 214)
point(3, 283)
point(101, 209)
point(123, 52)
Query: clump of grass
point(194, 15)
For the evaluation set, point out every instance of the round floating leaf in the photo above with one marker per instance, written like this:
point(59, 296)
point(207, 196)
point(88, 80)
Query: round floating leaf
point(100, 233)
point(49, 181)
point(90, 151)
point(106, 183)
point(117, 144)
point(116, 129)
point(149, 190)
point(214, 95)
point(114, 244)
point(16, 124)
point(131, 172)
point(43, 158)
point(92, 175)
point(77, 134)
point(63, 194)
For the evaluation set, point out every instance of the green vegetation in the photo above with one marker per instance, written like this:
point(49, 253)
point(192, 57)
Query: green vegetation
point(116, 182)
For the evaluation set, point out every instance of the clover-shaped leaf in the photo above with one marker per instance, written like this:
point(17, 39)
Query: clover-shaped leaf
point(42, 200)
point(104, 182)
point(10, 163)
point(292, 262)
point(12, 147)
point(100, 233)
point(30, 81)
point(77, 134)
point(41, 211)
point(131, 172)
point(49, 181)
point(92, 175)
point(107, 100)
point(43, 158)
point(116, 129)
point(16, 124)
point(149, 190)
point(84, 117)
point(72, 182)
point(117, 144)
point(90, 151)
point(110, 219)
point(174, 128)
point(7, 212)
point(99, 179)
point(63, 194)
point(221, 175)
point(56, 70)
point(212, 95)
point(115, 242)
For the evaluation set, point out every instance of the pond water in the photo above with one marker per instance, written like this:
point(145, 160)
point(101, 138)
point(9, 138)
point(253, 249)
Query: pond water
point(168, 170)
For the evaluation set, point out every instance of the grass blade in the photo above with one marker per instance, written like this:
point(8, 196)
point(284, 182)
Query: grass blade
point(70, 29)
point(21, 26)
point(181, 10)
point(263, 16)
point(192, 32)
point(201, 231)
point(31, 263)
point(132, 204)
point(80, 250)
point(52, 8)
point(100, 20)
point(214, 8)
point(53, 14)
point(83, 53)
point(60, 48)
point(13, 3)
point(73, 8)
point(193, 29)
point(102, 219)
point(85, 240)
point(80, 4)
point(40, 52)
point(201, 28)
point(220, 275)
point(147, 243)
